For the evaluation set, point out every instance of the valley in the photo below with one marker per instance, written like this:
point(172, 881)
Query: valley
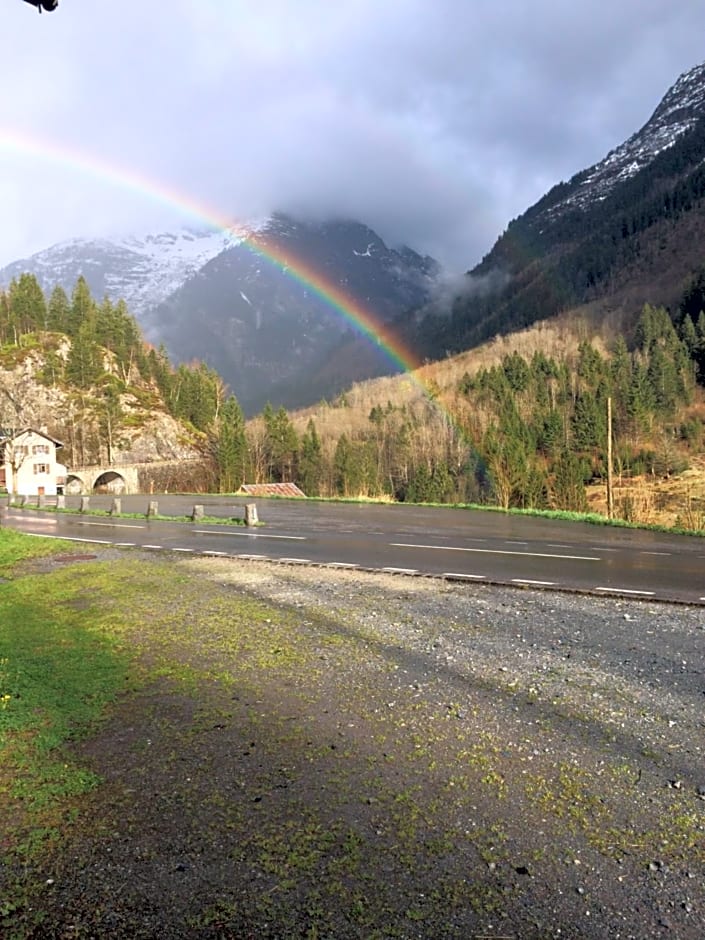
point(425, 284)
point(595, 293)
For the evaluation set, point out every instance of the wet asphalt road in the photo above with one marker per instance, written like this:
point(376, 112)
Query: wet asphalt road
point(461, 544)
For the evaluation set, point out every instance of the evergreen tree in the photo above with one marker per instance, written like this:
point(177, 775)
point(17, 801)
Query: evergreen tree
point(693, 302)
point(434, 485)
point(516, 371)
point(664, 380)
point(52, 372)
point(58, 314)
point(281, 444)
point(689, 335)
point(84, 364)
point(5, 326)
point(588, 423)
point(640, 398)
point(28, 311)
point(699, 351)
point(310, 461)
point(590, 366)
point(549, 433)
point(420, 489)
point(82, 310)
point(569, 483)
point(109, 414)
point(353, 467)
point(230, 447)
point(342, 461)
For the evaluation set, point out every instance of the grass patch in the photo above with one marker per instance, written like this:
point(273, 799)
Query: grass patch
point(105, 513)
point(57, 675)
point(14, 547)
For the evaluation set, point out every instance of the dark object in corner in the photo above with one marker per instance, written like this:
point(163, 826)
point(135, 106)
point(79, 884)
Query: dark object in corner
point(47, 5)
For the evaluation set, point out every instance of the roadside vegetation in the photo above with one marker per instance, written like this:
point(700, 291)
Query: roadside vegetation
point(58, 672)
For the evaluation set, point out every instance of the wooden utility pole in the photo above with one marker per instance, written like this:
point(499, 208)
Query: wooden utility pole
point(610, 481)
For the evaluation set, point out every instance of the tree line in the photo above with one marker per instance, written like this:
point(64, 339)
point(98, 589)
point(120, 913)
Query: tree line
point(529, 432)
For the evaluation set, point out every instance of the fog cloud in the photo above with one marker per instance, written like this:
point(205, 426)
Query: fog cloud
point(434, 123)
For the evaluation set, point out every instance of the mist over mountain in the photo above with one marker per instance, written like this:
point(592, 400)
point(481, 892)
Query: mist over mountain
point(618, 234)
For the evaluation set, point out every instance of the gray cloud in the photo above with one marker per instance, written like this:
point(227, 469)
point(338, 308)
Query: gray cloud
point(435, 123)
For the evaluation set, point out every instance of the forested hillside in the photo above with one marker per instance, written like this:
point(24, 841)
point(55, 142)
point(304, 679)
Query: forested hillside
point(82, 369)
point(529, 431)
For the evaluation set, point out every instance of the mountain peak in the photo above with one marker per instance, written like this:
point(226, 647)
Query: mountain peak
point(681, 108)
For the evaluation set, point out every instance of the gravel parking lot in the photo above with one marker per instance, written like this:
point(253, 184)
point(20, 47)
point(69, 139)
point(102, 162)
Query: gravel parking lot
point(383, 756)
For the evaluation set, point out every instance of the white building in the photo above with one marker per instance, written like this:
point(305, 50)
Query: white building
point(28, 465)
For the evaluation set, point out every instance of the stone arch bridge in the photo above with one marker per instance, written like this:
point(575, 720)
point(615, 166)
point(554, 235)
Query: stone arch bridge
point(120, 479)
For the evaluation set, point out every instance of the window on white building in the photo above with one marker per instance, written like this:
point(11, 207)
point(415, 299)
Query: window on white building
point(41, 468)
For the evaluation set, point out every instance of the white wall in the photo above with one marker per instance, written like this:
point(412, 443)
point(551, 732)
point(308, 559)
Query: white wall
point(30, 465)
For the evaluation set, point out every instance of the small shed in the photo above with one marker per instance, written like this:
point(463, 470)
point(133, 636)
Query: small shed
point(270, 489)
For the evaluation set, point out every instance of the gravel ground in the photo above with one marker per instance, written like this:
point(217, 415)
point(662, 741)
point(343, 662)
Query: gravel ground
point(384, 756)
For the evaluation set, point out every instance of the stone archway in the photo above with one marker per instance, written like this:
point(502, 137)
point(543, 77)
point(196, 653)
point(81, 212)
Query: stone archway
point(74, 485)
point(110, 482)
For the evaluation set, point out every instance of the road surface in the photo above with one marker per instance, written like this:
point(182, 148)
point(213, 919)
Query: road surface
point(470, 545)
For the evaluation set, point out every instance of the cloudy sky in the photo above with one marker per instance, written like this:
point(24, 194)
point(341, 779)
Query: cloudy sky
point(433, 121)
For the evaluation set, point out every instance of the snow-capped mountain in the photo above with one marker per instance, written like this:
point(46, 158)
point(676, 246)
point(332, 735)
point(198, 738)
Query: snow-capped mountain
point(141, 270)
point(681, 109)
point(267, 313)
point(624, 232)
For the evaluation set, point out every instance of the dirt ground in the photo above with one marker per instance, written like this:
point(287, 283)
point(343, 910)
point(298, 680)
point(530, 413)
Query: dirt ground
point(318, 753)
point(653, 500)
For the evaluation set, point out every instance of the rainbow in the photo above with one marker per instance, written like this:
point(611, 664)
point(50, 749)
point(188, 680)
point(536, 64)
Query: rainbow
point(361, 320)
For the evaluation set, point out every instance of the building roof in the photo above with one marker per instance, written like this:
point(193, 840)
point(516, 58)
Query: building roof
point(7, 434)
point(270, 489)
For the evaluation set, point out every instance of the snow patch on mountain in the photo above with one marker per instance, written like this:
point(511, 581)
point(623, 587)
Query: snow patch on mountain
point(142, 270)
point(681, 108)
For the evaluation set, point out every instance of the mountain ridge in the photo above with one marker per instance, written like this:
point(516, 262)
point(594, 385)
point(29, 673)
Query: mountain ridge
point(616, 235)
point(263, 322)
point(141, 270)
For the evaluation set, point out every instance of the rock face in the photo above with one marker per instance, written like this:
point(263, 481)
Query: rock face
point(143, 434)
